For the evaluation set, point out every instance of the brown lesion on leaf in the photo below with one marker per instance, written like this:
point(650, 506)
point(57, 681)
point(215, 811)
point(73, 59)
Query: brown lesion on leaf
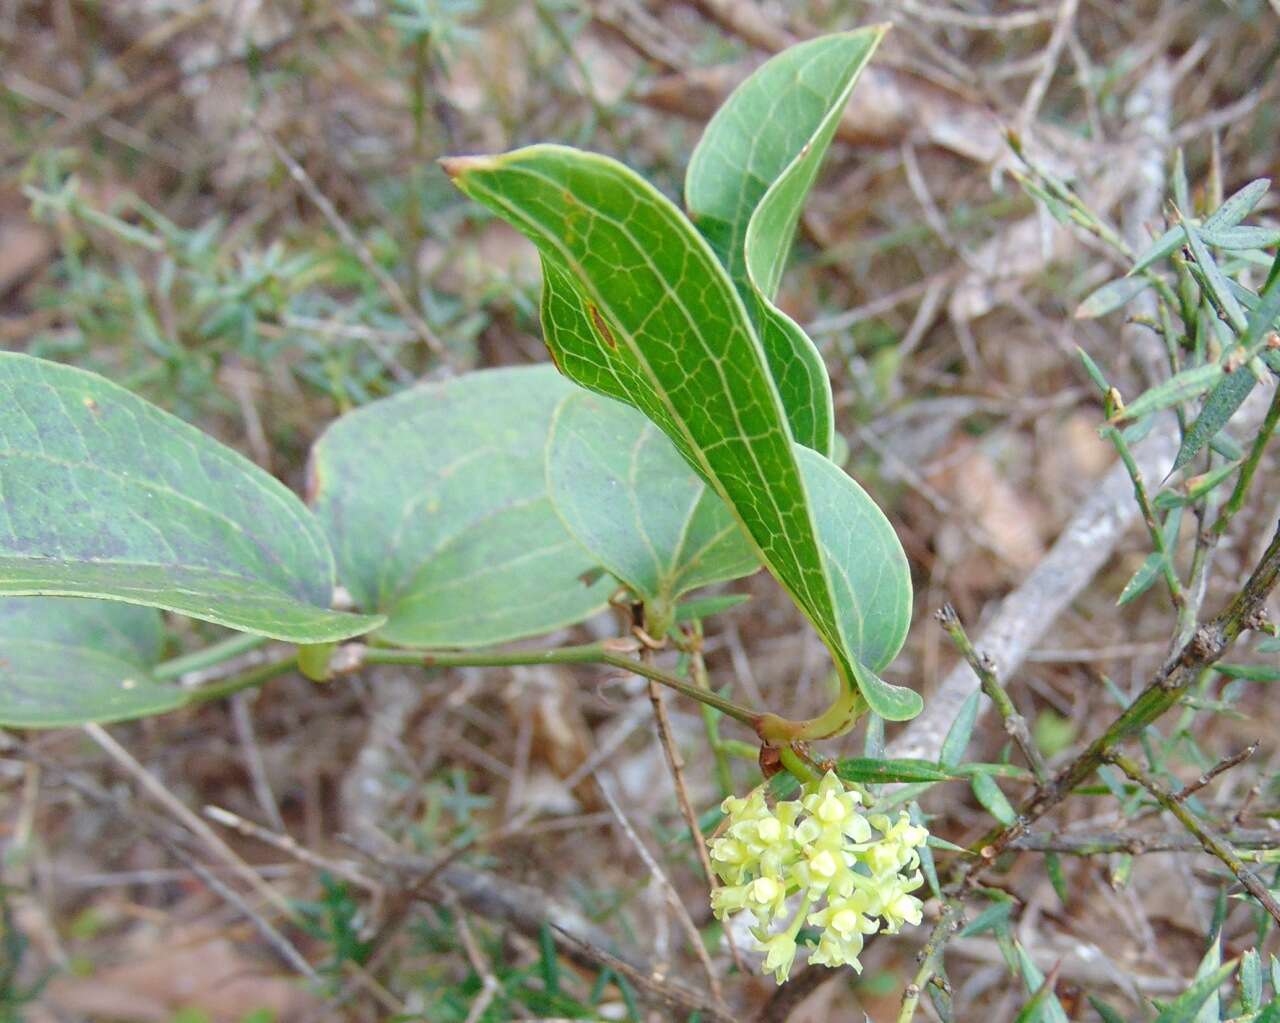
point(602, 328)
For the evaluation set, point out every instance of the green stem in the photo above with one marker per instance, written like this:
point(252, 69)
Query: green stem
point(1014, 723)
point(797, 765)
point(1206, 647)
point(929, 958)
point(1148, 515)
point(842, 715)
point(587, 653)
point(710, 719)
point(199, 660)
point(1210, 842)
point(260, 675)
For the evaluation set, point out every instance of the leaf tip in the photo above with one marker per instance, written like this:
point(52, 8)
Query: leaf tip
point(457, 166)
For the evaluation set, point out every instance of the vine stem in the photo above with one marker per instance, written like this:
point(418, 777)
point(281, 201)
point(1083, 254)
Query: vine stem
point(353, 656)
point(251, 679)
point(1014, 723)
point(208, 657)
point(930, 956)
point(1207, 646)
point(1210, 842)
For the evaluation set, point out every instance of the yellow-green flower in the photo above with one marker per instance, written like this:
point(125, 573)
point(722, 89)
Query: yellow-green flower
point(854, 872)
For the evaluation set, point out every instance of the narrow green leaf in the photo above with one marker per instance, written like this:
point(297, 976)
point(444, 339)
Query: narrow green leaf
point(957, 740)
point(1141, 580)
point(993, 918)
point(1111, 296)
point(1053, 867)
point(1223, 402)
point(1226, 447)
point(623, 492)
point(707, 607)
point(1050, 1009)
point(1211, 961)
point(1198, 487)
point(105, 495)
point(1215, 281)
point(746, 185)
point(1095, 374)
point(1186, 1007)
point(1106, 1012)
point(1253, 672)
point(68, 661)
point(992, 799)
point(995, 770)
point(1251, 981)
point(436, 502)
point(1178, 181)
point(1263, 311)
point(1241, 237)
point(1035, 1007)
point(1183, 386)
point(865, 771)
point(637, 307)
point(1229, 214)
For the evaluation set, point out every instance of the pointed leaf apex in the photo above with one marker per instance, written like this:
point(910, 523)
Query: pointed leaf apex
point(456, 166)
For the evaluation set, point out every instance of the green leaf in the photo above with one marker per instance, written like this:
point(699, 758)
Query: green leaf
point(746, 185)
point(706, 607)
point(1197, 487)
point(1105, 1011)
point(1212, 960)
point(992, 799)
point(1241, 237)
point(637, 307)
point(957, 740)
point(1183, 386)
point(627, 496)
point(436, 503)
point(994, 918)
point(1034, 1009)
point(1095, 374)
point(1186, 1007)
point(1223, 402)
point(1251, 981)
point(870, 579)
point(866, 771)
point(1050, 1009)
point(1141, 580)
point(1111, 296)
point(1053, 867)
point(1215, 281)
point(68, 661)
point(1253, 672)
point(1229, 214)
point(105, 495)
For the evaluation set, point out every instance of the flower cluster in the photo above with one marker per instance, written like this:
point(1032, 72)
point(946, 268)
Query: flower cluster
point(851, 873)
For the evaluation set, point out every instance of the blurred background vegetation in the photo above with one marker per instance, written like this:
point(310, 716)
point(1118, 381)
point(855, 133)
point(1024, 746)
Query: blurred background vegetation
point(233, 207)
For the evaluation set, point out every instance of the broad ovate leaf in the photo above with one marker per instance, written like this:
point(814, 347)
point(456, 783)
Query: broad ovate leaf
point(104, 495)
point(636, 306)
point(625, 493)
point(68, 661)
point(746, 186)
point(436, 503)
